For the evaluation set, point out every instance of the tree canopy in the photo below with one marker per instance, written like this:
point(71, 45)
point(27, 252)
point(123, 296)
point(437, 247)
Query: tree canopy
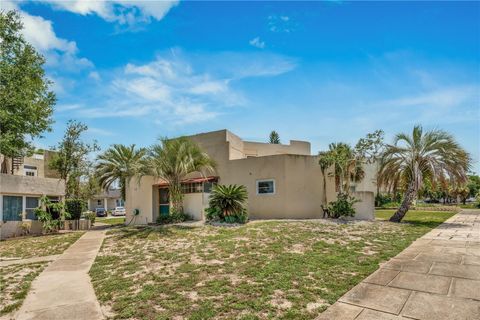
point(25, 97)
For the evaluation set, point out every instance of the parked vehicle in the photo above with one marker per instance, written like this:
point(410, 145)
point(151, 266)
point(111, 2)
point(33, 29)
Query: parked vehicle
point(119, 211)
point(101, 212)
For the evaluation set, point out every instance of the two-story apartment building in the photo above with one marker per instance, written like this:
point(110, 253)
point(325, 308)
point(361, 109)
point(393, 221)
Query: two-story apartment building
point(283, 181)
point(27, 180)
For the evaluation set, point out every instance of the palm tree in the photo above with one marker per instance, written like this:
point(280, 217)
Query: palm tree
point(423, 156)
point(119, 163)
point(325, 162)
point(172, 159)
point(348, 165)
point(274, 137)
point(230, 199)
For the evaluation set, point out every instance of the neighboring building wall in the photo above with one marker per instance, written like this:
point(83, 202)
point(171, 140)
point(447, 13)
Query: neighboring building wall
point(23, 189)
point(139, 195)
point(365, 208)
point(369, 182)
point(194, 205)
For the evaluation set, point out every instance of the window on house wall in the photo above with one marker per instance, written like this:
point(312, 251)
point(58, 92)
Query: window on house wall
point(265, 187)
point(12, 208)
point(99, 202)
point(31, 204)
point(30, 170)
point(196, 187)
point(208, 186)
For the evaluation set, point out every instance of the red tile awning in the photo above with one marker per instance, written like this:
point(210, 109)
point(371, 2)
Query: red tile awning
point(191, 180)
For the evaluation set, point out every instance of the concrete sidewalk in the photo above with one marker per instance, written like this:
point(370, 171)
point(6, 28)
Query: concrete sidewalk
point(437, 277)
point(63, 290)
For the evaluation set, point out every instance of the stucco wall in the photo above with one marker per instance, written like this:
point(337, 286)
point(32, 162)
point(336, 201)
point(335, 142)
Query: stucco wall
point(10, 229)
point(140, 196)
point(369, 182)
point(365, 209)
point(25, 185)
point(194, 204)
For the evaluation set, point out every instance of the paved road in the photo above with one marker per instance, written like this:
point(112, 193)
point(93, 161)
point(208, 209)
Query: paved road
point(436, 278)
point(63, 290)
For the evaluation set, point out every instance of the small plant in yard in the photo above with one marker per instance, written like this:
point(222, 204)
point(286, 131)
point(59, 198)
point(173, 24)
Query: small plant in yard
point(90, 215)
point(342, 207)
point(227, 204)
point(174, 216)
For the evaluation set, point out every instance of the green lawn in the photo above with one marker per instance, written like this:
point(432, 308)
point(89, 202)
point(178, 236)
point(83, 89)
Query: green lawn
point(263, 270)
point(416, 217)
point(38, 246)
point(112, 221)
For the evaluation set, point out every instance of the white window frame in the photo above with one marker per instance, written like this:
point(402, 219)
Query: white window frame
point(30, 169)
point(266, 194)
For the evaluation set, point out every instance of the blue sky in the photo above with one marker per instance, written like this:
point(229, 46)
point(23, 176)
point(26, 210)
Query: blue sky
point(316, 71)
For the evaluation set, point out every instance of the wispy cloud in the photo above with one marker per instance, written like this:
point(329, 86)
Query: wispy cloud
point(122, 12)
point(256, 42)
point(280, 23)
point(177, 88)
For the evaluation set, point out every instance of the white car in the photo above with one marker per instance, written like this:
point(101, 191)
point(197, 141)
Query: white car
point(119, 211)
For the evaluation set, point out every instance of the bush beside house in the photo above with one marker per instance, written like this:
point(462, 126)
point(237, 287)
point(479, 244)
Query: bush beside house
point(228, 204)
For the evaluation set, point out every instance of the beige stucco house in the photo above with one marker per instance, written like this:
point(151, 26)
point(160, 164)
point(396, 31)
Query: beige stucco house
point(283, 181)
point(27, 180)
point(107, 199)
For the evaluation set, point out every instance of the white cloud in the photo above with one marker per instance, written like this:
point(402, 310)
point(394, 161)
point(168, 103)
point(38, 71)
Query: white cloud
point(256, 42)
point(94, 75)
point(280, 23)
point(40, 33)
point(123, 12)
point(178, 89)
point(439, 98)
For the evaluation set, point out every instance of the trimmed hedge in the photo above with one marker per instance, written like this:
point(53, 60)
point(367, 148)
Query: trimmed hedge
point(75, 207)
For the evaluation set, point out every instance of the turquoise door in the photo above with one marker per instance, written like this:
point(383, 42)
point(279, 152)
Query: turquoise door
point(164, 201)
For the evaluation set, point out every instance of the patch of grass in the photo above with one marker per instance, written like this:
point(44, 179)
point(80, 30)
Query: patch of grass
point(15, 282)
point(112, 221)
point(430, 219)
point(262, 270)
point(38, 246)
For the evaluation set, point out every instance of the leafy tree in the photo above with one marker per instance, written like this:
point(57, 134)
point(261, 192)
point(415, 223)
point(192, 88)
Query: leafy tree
point(71, 159)
point(370, 150)
point(473, 185)
point(172, 160)
point(119, 163)
point(274, 137)
point(347, 165)
point(371, 147)
point(89, 186)
point(25, 99)
point(412, 159)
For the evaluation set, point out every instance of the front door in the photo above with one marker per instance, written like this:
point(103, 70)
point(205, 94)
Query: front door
point(164, 201)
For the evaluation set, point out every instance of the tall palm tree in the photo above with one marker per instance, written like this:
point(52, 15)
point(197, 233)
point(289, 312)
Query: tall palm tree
point(348, 165)
point(325, 162)
point(423, 156)
point(172, 159)
point(119, 163)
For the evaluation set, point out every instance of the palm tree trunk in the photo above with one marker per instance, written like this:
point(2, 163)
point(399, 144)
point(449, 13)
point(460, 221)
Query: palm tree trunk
point(407, 200)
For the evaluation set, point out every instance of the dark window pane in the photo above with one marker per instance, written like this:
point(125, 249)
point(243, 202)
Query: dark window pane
point(12, 208)
point(265, 187)
point(32, 203)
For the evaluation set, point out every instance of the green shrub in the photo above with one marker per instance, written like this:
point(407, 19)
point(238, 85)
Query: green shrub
point(390, 205)
point(49, 224)
point(478, 200)
point(75, 207)
point(213, 214)
point(227, 203)
point(343, 206)
point(173, 217)
point(90, 215)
